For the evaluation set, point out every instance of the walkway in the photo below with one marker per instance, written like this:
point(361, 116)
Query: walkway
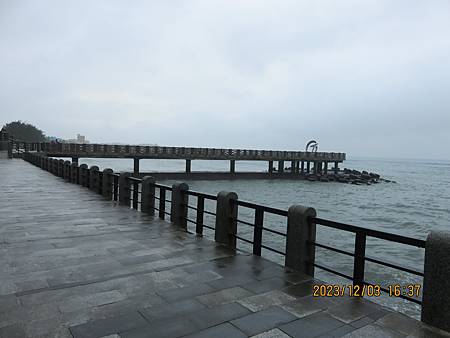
point(75, 265)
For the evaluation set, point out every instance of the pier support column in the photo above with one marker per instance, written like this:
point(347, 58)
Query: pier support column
point(325, 169)
point(188, 166)
point(136, 166)
point(336, 167)
point(293, 167)
point(302, 170)
point(436, 281)
point(300, 255)
point(280, 167)
point(308, 167)
point(226, 215)
point(93, 178)
point(270, 167)
point(232, 166)
point(297, 167)
point(75, 160)
point(148, 195)
point(179, 209)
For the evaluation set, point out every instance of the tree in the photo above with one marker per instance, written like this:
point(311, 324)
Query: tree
point(24, 131)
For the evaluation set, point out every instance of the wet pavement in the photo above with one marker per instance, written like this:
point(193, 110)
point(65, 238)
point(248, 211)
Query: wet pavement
point(75, 265)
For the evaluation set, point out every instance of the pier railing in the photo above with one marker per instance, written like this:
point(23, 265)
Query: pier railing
point(150, 197)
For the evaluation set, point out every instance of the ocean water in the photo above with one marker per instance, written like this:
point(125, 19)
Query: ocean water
point(417, 204)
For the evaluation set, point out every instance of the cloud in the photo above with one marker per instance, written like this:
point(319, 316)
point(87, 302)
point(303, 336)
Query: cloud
point(357, 76)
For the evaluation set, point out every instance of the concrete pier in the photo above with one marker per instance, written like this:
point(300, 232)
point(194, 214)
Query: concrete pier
point(77, 265)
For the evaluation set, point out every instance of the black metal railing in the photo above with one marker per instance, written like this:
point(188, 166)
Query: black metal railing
point(133, 191)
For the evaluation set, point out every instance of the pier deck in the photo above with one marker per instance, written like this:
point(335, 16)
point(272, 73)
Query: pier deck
point(75, 265)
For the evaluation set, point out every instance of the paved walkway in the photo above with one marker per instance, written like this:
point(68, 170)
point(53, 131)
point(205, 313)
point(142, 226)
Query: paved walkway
point(75, 265)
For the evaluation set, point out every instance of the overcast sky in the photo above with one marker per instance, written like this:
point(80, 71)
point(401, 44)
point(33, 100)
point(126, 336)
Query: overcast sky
point(370, 78)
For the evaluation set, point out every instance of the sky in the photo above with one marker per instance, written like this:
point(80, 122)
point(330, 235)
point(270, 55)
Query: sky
point(369, 78)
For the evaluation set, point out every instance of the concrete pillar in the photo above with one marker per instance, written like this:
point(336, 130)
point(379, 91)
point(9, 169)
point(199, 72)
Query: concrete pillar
point(226, 215)
point(107, 183)
point(67, 170)
point(297, 167)
point(74, 173)
point(293, 167)
point(325, 169)
point(299, 254)
point(136, 166)
point(93, 178)
point(270, 167)
point(61, 168)
point(124, 189)
point(232, 166)
point(148, 195)
point(188, 166)
point(308, 167)
point(336, 167)
point(178, 207)
point(302, 170)
point(436, 281)
point(75, 160)
point(280, 166)
point(82, 175)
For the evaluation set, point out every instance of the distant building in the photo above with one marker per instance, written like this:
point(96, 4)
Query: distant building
point(81, 139)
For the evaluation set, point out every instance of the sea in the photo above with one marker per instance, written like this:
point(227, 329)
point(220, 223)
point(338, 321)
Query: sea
point(417, 203)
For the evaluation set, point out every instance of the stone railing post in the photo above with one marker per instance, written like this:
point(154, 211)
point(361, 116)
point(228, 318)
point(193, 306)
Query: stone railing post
point(74, 172)
point(67, 171)
point(107, 183)
point(93, 178)
point(61, 168)
point(124, 189)
point(300, 255)
point(178, 209)
point(148, 195)
point(436, 281)
point(82, 175)
point(226, 219)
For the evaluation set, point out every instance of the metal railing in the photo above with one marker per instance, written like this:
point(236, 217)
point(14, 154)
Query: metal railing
point(132, 190)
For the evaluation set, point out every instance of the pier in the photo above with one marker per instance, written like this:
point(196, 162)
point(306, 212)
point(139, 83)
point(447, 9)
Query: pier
point(298, 162)
point(89, 253)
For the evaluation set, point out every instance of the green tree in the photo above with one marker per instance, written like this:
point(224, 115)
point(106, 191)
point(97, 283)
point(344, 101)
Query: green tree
point(24, 131)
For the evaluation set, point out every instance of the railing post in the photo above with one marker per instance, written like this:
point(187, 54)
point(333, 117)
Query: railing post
point(360, 259)
point(82, 175)
point(67, 170)
point(115, 188)
point(178, 209)
point(162, 203)
point(93, 178)
point(74, 172)
point(135, 195)
point(148, 195)
point(436, 281)
point(124, 189)
point(226, 218)
point(300, 254)
point(107, 183)
point(61, 168)
point(200, 214)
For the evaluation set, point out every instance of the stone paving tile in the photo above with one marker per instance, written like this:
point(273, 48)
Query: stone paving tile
point(312, 326)
point(12, 331)
point(352, 309)
point(263, 320)
point(217, 315)
point(301, 289)
point(274, 333)
point(172, 309)
point(306, 306)
point(168, 328)
point(186, 292)
point(108, 326)
point(266, 285)
point(265, 300)
point(399, 322)
point(373, 331)
point(225, 330)
point(223, 296)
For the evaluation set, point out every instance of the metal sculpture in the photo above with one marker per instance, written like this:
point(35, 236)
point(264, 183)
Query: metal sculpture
point(313, 145)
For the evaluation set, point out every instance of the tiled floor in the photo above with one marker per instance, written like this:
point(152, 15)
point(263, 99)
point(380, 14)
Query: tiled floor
point(75, 265)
